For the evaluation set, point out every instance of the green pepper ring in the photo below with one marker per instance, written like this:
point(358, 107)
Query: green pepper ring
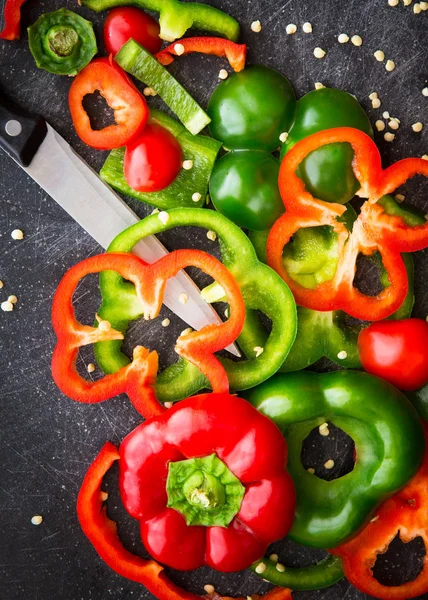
point(274, 299)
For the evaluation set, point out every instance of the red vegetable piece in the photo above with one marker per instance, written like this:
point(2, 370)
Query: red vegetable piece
point(153, 160)
point(126, 22)
point(235, 53)
point(12, 20)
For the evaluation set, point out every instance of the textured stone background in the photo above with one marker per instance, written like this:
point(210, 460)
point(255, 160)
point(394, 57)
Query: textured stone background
point(47, 441)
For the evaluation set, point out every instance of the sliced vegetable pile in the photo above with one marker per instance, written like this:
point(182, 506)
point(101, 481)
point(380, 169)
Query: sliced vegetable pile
point(216, 478)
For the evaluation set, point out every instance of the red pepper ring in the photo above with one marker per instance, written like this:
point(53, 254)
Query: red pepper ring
point(102, 533)
point(373, 231)
point(235, 53)
point(406, 515)
point(130, 108)
point(137, 378)
point(12, 20)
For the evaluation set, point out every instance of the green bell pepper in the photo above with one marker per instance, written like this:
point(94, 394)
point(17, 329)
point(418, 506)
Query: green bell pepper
point(176, 17)
point(327, 172)
point(389, 443)
point(180, 380)
point(312, 255)
point(189, 188)
point(419, 399)
point(138, 61)
point(62, 42)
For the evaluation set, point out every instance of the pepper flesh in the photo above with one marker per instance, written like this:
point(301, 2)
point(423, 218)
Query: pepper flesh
point(12, 20)
point(405, 515)
point(247, 445)
point(235, 53)
point(102, 533)
point(389, 443)
point(374, 230)
point(177, 17)
point(137, 378)
point(120, 306)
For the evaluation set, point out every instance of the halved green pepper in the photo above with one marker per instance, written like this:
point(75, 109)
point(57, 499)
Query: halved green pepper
point(62, 42)
point(202, 150)
point(312, 256)
point(177, 17)
point(180, 380)
point(389, 444)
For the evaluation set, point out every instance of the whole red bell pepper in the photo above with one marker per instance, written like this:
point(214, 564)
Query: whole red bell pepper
point(405, 515)
point(235, 53)
point(102, 533)
point(12, 20)
point(374, 230)
point(130, 108)
point(137, 378)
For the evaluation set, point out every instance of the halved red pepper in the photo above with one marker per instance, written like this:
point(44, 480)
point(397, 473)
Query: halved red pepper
point(374, 230)
point(12, 20)
point(406, 515)
point(137, 378)
point(102, 533)
point(130, 108)
point(235, 53)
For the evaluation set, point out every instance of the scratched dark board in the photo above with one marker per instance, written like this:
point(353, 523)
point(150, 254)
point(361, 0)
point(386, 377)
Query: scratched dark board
point(47, 441)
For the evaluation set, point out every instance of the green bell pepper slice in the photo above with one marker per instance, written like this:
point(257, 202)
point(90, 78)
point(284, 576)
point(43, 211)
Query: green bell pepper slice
point(327, 172)
point(62, 42)
point(332, 334)
point(180, 380)
point(189, 188)
point(389, 443)
point(177, 17)
point(138, 61)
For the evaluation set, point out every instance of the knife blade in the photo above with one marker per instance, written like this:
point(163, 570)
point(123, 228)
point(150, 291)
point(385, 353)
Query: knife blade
point(76, 187)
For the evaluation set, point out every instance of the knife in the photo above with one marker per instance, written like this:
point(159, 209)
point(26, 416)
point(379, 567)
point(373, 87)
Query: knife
point(76, 187)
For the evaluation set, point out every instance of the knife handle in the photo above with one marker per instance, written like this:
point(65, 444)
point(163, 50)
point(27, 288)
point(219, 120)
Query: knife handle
point(20, 133)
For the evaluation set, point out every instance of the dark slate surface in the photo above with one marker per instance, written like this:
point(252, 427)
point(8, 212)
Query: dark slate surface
point(47, 441)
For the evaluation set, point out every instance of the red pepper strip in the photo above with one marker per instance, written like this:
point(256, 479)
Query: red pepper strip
point(102, 533)
point(373, 231)
point(235, 53)
point(130, 108)
point(137, 378)
point(12, 20)
point(405, 514)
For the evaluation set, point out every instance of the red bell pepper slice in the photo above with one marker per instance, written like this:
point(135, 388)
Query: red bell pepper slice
point(406, 515)
point(373, 231)
point(130, 108)
point(137, 378)
point(12, 20)
point(102, 533)
point(235, 53)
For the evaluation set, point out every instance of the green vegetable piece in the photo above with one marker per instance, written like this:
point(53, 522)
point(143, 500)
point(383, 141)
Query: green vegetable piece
point(189, 185)
point(137, 61)
point(62, 42)
point(389, 443)
point(177, 17)
point(327, 172)
point(204, 491)
point(323, 574)
point(419, 399)
point(120, 306)
point(251, 109)
point(244, 188)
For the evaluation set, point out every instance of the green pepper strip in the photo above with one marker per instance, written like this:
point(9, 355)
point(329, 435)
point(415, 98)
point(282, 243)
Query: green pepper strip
point(389, 445)
point(177, 17)
point(62, 42)
point(326, 334)
point(273, 298)
point(323, 574)
point(137, 61)
point(202, 150)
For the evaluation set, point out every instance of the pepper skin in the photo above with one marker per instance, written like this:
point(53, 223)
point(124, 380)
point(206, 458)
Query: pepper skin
point(120, 306)
point(12, 20)
point(389, 444)
point(327, 172)
point(249, 446)
point(235, 53)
